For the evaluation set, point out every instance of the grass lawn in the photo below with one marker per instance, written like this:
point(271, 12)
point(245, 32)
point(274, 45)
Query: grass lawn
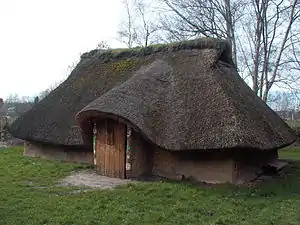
point(293, 123)
point(28, 195)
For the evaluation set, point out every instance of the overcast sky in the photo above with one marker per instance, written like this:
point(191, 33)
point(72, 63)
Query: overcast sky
point(39, 39)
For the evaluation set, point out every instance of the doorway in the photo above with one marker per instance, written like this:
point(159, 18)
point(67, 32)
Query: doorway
point(110, 148)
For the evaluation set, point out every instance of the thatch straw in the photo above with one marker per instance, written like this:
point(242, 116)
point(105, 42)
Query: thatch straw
point(179, 97)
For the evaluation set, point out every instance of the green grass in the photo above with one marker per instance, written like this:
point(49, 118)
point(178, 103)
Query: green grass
point(28, 195)
point(293, 123)
point(291, 152)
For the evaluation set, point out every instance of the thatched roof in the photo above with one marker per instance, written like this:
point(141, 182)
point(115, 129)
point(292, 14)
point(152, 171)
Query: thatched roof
point(155, 97)
point(191, 99)
point(52, 120)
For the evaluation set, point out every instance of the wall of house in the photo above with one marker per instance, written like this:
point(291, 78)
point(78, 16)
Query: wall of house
point(141, 157)
point(34, 149)
point(249, 163)
point(197, 166)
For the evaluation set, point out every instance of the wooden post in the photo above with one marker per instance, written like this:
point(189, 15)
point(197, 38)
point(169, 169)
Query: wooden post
point(128, 153)
point(95, 142)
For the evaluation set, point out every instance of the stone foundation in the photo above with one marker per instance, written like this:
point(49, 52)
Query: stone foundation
point(51, 152)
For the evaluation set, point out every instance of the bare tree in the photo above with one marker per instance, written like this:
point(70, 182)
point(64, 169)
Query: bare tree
point(13, 98)
point(295, 58)
point(126, 33)
point(147, 29)
point(194, 18)
point(269, 38)
point(262, 33)
point(139, 27)
point(284, 101)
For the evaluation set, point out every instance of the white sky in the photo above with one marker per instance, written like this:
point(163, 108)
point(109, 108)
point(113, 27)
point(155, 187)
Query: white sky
point(39, 39)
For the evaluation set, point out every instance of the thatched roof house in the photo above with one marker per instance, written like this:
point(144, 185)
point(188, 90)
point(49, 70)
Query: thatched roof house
point(191, 115)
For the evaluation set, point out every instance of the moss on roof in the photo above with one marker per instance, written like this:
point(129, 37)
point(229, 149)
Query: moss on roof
point(201, 43)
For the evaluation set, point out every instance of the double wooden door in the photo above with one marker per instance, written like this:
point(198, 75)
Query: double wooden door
point(110, 148)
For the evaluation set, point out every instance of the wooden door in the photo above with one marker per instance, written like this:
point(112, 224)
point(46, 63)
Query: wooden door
point(110, 148)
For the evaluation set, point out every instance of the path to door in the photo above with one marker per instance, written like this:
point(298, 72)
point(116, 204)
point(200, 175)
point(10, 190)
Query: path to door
point(89, 179)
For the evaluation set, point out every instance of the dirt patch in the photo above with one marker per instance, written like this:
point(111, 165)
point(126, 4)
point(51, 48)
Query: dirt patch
point(90, 179)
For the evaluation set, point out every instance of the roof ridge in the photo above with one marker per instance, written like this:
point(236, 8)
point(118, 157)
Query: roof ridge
point(199, 43)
